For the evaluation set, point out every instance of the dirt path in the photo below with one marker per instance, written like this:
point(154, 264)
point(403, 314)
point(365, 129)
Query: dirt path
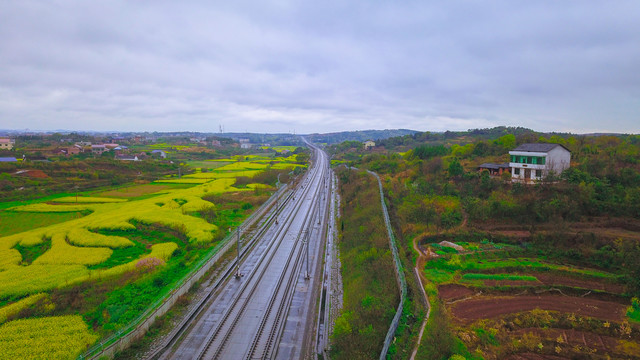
point(420, 262)
point(420, 277)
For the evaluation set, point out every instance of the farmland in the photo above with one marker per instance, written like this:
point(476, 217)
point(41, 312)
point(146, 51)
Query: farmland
point(512, 271)
point(78, 267)
point(499, 291)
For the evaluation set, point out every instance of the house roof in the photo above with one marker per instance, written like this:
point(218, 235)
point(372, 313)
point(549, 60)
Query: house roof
point(538, 147)
point(8, 159)
point(493, 166)
point(5, 141)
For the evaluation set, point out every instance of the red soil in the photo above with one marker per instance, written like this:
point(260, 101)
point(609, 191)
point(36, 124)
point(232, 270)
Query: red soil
point(38, 174)
point(554, 279)
point(532, 356)
point(490, 307)
point(451, 292)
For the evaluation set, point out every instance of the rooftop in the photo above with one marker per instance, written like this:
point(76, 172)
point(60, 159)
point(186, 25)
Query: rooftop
point(543, 147)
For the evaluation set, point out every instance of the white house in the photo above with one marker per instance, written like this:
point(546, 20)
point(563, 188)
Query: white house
point(369, 144)
point(531, 162)
point(6, 143)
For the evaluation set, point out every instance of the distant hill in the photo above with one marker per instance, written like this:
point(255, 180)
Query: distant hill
point(361, 135)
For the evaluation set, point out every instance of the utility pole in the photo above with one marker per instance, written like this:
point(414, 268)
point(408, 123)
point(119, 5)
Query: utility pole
point(306, 245)
point(238, 275)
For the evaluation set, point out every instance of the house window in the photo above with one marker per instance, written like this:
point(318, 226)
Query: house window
point(516, 171)
point(542, 160)
point(538, 173)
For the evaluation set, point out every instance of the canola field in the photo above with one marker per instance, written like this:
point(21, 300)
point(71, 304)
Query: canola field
point(72, 250)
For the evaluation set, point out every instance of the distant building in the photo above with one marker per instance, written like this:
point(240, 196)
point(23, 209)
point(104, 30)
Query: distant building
point(159, 153)
point(216, 143)
point(98, 149)
point(369, 144)
point(532, 162)
point(124, 157)
point(6, 143)
point(494, 169)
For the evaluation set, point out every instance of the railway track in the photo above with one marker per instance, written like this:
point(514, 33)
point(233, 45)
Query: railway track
point(249, 323)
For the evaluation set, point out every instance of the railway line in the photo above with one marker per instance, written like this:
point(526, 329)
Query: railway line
point(251, 316)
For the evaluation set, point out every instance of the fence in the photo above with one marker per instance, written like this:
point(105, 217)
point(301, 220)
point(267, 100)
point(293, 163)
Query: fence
point(138, 327)
point(402, 283)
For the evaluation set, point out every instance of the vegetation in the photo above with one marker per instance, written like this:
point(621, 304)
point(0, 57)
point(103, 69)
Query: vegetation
point(371, 295)
point(580, 226)
point(107, 254)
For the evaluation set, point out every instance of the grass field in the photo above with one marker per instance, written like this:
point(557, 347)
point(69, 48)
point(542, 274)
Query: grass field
point(13, 222)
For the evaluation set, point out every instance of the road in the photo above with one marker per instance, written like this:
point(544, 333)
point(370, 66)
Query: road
point(269, 312)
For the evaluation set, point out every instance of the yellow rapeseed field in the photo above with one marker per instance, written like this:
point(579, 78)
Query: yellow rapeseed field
point(16, 307)
point(57, 337)
point(76, 244)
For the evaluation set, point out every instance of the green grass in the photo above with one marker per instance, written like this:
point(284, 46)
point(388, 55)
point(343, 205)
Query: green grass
point(476, 276)
point(13, 222)
point(439, 276)
point(30, 253)
point(143, 237)
point(208, 164)
point(633, 312)
point(475, 263)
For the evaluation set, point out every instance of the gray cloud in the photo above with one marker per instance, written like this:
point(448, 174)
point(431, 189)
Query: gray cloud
point(319, 66)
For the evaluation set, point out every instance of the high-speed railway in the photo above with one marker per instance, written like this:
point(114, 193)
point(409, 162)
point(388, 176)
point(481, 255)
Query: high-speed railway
point(266, 309)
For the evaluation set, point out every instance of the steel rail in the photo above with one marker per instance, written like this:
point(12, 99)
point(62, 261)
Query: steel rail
point(284, 297)
point(254, 280)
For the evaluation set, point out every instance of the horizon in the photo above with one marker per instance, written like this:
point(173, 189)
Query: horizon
point(276, 66)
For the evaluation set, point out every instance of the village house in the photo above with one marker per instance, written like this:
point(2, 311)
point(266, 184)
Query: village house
point(6, 143)
point(98, 149)
point(369, 144)
point(159, 153)
point(494, 169)
point(533, 162)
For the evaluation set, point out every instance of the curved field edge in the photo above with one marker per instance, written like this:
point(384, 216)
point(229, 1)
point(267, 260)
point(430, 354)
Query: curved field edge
point(62, 268)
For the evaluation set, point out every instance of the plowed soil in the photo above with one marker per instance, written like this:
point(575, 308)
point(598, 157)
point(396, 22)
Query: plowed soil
point(532, 356)
point(490, 307)
point(450, 292)
point(559, 280)
point(554, 279)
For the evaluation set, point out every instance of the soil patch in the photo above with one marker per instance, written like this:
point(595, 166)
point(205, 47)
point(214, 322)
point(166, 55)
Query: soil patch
point(451, 292)
point(510, 283)
point(555, 279)
point(490, 307)
point(533, 356)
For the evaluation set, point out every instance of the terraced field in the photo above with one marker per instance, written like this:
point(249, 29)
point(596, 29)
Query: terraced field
point(80, 267)
point(504, 303)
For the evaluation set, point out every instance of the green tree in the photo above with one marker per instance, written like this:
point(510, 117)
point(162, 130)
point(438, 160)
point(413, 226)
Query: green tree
point(455, 168)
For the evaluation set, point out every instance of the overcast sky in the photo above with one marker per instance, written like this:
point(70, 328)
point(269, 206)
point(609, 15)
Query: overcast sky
point(319, 66)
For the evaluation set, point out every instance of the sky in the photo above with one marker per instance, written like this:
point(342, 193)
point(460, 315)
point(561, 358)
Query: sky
point(319, 66)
